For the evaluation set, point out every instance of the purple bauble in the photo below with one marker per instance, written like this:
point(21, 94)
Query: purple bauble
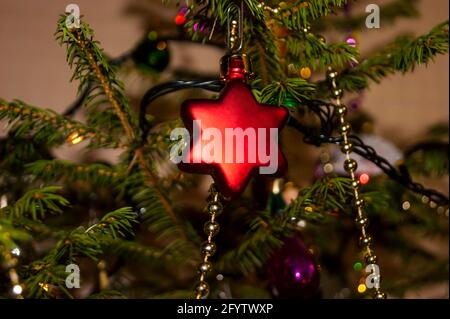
point(292, 271)
point(196, 24)
point(351, 42)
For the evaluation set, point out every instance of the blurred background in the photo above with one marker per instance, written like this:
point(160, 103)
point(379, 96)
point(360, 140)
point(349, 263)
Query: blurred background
point(33, 66)
point(33, 69)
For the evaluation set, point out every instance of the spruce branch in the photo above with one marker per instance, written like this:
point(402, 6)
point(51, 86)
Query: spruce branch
point(10, 234)
point(252, 251)
point(36, 203)
point(296, 14)
point(92, 69)
point(55, 170)
point(90, 58)
point(37, 228)
point(261, 48)
point(15, 153)
point(300, 14)
point(266, 230)
point(115, 224)
point(390, 12)
point(71, 245)
point(315, 202)
point(47, 127)
point(145, 197)
point(262, 62)
point(42, 278)
point(309, 50)
point(403, 55)
point(136, 251)
point(107, 89)
point(278, 92)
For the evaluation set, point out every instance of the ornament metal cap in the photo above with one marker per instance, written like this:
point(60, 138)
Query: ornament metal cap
point(237, 66)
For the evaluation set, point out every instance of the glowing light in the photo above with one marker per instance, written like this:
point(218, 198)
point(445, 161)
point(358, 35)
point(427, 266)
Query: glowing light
point(298, 275)
point(15, 251)
point(17, 289)
point(364, 178)
point(301, 223)
point(276, 187)
point(196, 26)
point(180, 19)
point(152, 35)
point(305, 73)
point(351, 42)
point(3, 201)
point(199, 27)
point(357, 266)
point(75, 138)
point(328, 168)
point(162, 45)
point(324, 157)
point(362, 288)
point(406, 205)
point(43, 286)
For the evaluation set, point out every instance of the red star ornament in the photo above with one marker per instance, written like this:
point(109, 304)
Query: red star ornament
point(233, 138)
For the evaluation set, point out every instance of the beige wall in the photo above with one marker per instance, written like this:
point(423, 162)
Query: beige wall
point(33, 66)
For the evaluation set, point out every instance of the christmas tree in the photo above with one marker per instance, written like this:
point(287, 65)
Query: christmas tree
point(139, 226)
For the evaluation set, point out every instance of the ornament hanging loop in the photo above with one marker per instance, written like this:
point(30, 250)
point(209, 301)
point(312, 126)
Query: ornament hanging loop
point(235, 29)
point(235, 64)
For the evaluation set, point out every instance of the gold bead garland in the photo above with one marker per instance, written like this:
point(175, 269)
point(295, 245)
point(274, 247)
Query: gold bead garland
point(350, 166)
point(211, 228)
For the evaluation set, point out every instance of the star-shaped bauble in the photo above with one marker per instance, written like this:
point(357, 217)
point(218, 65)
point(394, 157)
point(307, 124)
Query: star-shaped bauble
point(233, 138)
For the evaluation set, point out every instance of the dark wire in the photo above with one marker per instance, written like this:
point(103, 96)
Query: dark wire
point(399, 175)
point(73, 108)
point(169, 87)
